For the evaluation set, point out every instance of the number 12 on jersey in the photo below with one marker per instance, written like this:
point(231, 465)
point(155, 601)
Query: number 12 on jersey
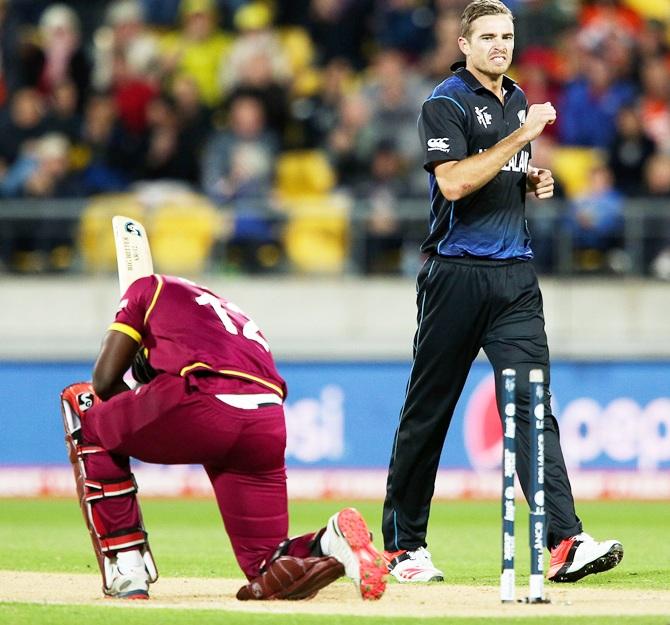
point(249, 330)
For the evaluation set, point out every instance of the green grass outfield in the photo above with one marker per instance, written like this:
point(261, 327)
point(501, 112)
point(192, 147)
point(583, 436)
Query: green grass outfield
point(188, 539)
point(17, 614)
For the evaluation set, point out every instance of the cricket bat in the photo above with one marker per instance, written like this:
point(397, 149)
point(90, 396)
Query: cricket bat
point(133, 254)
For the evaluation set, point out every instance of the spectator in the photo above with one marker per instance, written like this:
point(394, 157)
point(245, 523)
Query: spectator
point(352, 140)
point(318, 113)
point(133, 90)
point(199, 49)
point(537, 69)
point(246, 127)
point(590, 104)
point(163, 159)
point(396, 94)
point(171, 153)
point(339, 29)
point(191, 110)
point(257, 65)
point(630, 152)
point(58, 55)
point(8, 51)
point(444, 53)
point(254, 25)
point(294, 12)
point(237, 171)
point(110, 151)
point(404, 25)
point(537, 22)
point(657, 176)
point(652, 43)
point(601, 20)
point(194, 119)
point(609, 29)
point(124, 39)
point(656, 253)
point(655, 102)
point(63, 116)
point(544, 216)
point(595, 220)
point(42, 172)
point(387, 184)
point(161, 12)
point(24, 119)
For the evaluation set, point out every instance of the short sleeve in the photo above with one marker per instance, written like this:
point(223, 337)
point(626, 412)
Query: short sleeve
point(133, 307)
point(442, 131)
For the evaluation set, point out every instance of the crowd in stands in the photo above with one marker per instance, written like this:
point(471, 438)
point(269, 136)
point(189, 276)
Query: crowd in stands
point(98, 96)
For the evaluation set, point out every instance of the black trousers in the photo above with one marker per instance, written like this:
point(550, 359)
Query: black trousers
point(465, 304)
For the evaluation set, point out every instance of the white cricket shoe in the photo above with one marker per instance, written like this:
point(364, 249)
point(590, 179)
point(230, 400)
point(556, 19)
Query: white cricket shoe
point(412, 566)
point(348, 539)
point(130, 579)
point(578, 556)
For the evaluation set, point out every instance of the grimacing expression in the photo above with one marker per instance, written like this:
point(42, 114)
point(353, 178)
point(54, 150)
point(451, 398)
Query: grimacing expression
point(490, 45)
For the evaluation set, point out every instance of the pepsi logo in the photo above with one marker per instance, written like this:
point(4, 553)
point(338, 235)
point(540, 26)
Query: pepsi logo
point(482, 428)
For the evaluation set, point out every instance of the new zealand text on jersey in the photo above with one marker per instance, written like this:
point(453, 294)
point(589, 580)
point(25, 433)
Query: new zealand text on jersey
point(519, 162)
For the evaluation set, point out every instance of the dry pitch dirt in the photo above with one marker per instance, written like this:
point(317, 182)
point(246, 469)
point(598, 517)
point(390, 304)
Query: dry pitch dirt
point(339, 598)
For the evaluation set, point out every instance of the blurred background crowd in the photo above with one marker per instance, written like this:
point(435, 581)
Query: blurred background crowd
point(273, 136)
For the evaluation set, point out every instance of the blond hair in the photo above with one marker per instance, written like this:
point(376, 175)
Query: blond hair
point(481, 8)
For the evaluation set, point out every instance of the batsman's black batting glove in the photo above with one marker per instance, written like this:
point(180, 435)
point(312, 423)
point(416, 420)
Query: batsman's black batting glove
point(142, 371)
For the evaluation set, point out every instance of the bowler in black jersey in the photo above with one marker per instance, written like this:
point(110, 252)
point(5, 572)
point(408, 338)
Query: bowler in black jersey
point(478, 290)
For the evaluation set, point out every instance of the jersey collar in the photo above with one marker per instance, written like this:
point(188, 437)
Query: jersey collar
point(468, 78)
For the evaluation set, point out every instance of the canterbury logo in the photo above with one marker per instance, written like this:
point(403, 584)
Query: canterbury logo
point(441, 144)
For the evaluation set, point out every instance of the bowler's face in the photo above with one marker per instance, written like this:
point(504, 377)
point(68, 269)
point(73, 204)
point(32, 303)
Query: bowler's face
point(490, 45)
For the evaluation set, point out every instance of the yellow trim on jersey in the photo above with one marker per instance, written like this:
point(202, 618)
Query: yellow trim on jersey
point(237, 374)
point(159, 287)
point(127, 330)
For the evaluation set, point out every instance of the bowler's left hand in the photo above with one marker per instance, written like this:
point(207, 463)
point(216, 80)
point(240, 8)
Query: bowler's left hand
point(540, 182)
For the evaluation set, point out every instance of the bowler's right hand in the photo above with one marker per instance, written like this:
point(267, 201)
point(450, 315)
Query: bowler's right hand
point(538, 116)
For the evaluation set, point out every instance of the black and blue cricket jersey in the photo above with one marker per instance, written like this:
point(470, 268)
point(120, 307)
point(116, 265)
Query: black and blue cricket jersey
point(462, 118)
point(476, 291)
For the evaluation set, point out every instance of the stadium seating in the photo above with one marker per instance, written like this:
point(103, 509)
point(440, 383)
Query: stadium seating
point(95, 229)
point(182, 235)
point(317, 229)
point(572, 165)
point(182, 228)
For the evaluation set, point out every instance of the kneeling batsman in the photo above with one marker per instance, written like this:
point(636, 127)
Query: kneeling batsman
point(208, 393)
point(124, 556)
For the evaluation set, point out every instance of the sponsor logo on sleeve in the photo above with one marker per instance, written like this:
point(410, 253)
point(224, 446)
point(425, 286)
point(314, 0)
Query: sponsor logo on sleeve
point(440, 144)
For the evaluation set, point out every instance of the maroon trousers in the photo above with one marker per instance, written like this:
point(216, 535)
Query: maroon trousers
point(242, 451)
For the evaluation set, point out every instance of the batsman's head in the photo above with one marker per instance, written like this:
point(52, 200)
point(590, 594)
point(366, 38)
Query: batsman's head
point(487, 37)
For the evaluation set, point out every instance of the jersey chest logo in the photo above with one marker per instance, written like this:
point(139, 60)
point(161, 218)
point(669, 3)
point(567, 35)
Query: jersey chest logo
point(484, 118)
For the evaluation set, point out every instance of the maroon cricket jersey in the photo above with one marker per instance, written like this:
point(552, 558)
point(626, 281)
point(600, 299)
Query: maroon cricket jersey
point(187, 330)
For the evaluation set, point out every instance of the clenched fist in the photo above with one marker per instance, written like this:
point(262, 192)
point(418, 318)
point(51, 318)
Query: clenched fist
point(538, 116)
point(540, 182)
